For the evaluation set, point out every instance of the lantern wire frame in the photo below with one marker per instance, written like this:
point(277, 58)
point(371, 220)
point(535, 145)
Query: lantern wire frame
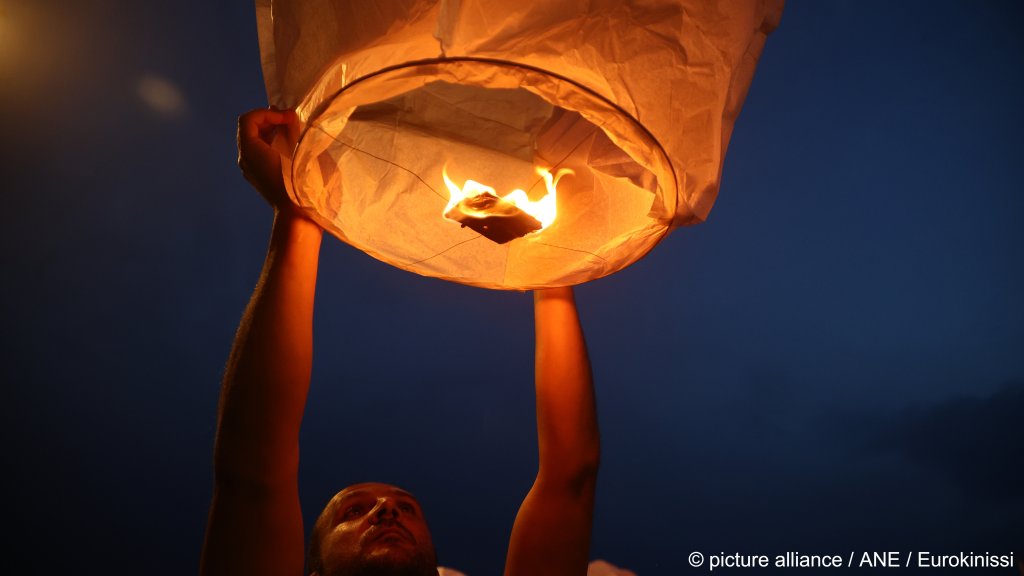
point(540, 261)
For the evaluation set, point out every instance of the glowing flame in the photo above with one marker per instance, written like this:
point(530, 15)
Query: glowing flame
point(544, 209)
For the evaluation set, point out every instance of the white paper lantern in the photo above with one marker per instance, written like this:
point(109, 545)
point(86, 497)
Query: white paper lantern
point(637, 98)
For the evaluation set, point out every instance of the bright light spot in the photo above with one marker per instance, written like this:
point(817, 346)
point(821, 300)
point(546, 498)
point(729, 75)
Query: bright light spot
point(6, 38)
point(161, 95)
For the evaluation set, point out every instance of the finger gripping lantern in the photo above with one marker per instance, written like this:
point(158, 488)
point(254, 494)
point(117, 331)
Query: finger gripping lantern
point(510, 145)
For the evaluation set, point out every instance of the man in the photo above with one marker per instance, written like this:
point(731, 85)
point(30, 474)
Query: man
point(255, 523)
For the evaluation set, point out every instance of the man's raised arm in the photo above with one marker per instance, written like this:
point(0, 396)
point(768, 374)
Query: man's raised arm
point(255, 522)
point(551, 534)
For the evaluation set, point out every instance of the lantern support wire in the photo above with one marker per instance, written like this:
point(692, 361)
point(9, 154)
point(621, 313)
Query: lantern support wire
point(452, 247)
point(564, 158)
point(439, 195)
point(395, 164)
point(573, 250)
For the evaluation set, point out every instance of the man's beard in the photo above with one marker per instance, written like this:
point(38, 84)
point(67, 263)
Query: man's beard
point(422, 563)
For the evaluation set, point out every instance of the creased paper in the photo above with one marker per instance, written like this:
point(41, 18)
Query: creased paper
point(638, 98)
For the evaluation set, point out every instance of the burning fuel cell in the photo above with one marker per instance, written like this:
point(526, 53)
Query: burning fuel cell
point(501, 219)
point(493, 217)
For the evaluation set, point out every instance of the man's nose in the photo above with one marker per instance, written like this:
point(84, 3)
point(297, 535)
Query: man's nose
point(385, 510)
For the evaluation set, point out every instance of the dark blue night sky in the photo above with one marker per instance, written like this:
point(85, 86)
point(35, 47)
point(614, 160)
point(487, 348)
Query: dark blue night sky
point(833, 362)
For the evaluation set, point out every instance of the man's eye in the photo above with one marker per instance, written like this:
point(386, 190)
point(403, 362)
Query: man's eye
point(407, 508)
point(353, 511)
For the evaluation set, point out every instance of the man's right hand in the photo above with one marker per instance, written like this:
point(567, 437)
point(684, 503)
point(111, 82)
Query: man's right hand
point(259, 160)
point(255, 523)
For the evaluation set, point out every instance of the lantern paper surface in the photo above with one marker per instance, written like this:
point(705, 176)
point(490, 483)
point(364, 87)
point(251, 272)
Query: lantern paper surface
point(638, 99)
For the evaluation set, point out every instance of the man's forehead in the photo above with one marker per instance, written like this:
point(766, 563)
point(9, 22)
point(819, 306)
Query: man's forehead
point(371, 489)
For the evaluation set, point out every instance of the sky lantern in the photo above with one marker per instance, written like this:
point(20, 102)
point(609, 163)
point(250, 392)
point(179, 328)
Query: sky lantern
point(510, 145)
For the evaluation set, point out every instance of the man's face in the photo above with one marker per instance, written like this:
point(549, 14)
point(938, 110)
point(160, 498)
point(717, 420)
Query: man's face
point(376, 529)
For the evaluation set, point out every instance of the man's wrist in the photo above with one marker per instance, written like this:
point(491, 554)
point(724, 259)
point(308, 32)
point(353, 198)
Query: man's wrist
point(291, 225)
point(563, 292)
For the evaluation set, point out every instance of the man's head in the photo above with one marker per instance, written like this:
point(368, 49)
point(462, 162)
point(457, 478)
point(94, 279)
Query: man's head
point(370, 529)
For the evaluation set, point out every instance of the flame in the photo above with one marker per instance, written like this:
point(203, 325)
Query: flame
point(544, 209)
